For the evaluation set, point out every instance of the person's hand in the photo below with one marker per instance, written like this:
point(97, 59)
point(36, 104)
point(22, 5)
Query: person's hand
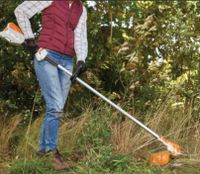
point(41, 54)
point(30, 45)
point(80, 68)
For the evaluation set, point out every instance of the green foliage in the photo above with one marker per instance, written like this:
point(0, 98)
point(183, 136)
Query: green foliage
point(120, 166)
point(34, 167)
point(108, 163)
point(98, 132)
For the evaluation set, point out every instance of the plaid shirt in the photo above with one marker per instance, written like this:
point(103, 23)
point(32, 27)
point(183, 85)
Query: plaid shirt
point(28, 9)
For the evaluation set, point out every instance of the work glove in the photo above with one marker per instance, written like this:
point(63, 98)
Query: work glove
point(80, 68)
point(30, 45)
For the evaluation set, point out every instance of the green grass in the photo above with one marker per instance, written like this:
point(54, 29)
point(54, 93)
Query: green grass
point(99, 161)
point(30, 167)
point(116, 165)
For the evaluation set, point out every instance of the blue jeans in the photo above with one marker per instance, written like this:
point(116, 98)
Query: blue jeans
point(55, 85)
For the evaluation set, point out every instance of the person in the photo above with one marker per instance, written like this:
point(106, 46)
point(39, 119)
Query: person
point(63, 35)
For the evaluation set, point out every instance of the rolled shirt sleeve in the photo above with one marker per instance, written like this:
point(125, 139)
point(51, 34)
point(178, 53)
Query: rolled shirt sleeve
point(25, 11)
point(80, 40)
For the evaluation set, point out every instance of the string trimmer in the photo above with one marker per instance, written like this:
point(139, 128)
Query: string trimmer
point(14, 35)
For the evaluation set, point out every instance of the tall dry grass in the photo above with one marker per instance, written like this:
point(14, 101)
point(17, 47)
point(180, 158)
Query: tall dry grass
point(69, 133)
point(176, 122)
point(8, 128)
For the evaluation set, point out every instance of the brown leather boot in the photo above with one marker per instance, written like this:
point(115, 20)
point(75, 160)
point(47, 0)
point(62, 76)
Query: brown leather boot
point(41, 153)
point(58, 163)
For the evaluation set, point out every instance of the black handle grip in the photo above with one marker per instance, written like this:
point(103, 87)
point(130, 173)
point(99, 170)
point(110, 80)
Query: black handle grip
point(51, 61)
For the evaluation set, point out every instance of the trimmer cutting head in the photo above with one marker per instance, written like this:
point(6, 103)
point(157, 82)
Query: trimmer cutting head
point(175, 149)
point(164, 157)
point(13, 34)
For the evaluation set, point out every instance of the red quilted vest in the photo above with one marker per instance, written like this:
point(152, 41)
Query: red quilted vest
point(58, 25)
